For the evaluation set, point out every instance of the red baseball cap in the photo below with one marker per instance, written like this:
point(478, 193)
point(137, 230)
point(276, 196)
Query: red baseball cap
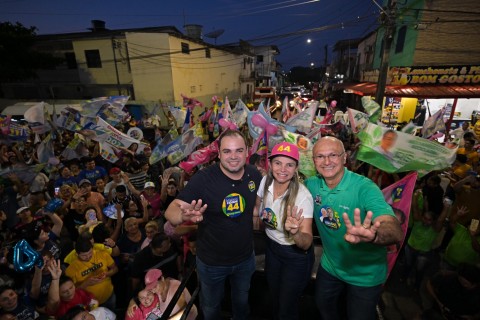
point(115, 170)
point(285, 149)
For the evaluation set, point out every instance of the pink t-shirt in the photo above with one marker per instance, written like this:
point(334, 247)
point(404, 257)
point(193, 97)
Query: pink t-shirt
point(156, 309)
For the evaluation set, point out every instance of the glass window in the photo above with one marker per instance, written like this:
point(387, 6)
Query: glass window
point(402, 32)
point(93, 58)
point(185, 48)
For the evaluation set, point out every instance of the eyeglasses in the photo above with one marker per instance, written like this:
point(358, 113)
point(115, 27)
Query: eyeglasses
point(331, 157)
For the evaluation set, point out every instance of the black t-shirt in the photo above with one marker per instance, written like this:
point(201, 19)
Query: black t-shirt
point(225, 236)
point(145, 260)
point(73, 219)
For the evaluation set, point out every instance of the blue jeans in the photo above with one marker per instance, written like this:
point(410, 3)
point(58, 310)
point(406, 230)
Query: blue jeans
point(360, 302)
point(288, 270)
point(212, 286)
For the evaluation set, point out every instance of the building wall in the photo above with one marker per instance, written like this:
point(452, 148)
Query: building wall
point(106, 74)
point(447, 42)
point(196, 75)
point(150, 61)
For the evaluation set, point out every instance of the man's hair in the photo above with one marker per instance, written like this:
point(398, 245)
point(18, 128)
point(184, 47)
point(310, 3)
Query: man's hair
point(72, 312)
point(121, 188)
point(100, 233)
point(87, 159)
point(158, 239)
point(83, 245)
point(63, 279)
point(230, 133)
point(5, 287)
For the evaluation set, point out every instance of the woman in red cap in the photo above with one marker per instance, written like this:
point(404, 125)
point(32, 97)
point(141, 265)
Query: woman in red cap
point(286, 210)
point(152, 300)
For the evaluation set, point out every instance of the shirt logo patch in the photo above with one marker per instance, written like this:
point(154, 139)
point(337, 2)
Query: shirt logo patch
point(269, 218)
point(233, 205)
point(251, 186)
point(329, 217)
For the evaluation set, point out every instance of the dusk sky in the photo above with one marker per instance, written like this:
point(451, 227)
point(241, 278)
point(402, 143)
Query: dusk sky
point(262, 22)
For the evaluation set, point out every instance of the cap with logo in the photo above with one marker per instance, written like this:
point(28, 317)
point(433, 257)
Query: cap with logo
point(149, 184)
point(285, 149)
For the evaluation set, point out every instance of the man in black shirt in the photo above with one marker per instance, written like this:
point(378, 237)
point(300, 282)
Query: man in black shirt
point(221, 199)
point(160, 255)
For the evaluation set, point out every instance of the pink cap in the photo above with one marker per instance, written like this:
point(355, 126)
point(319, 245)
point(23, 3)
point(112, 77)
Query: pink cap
point(151, 278)
point(285, 149)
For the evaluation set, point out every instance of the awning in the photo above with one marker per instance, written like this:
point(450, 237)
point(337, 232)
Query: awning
point(432, 91)
point(20, 108)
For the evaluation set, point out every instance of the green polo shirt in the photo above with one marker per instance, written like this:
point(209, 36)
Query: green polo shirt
point(362, 264)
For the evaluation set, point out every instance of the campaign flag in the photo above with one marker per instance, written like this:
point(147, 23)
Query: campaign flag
point(5, 124)
point(159, 152)
point(110, 146)
point(285, 110)
point(315, 133)
point(200, 157)
point(109, 109)
point(372, 108)
point(45, 149)
point(176, 116)
point(204, 116)
point(399, 196)
point(18, 132)
point(303, 120)
point(395, 151)
point(186, 123)
point(178, 148)
point(358, 120)
point(410, 128)
point(305, 147)
point(191, 103)
point(240, 113)
point(35, 116)
point(434, 124)
point(69, 119)
point(256, 131)
point(73, 149)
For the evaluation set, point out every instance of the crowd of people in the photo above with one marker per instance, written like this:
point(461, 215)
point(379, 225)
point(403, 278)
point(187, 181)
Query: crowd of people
point(127, 233)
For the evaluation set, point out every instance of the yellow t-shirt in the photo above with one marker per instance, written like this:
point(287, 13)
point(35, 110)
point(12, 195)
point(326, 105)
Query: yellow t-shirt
point(80, 271)
point(72, 256)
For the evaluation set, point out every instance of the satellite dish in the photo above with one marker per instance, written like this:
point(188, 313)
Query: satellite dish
point(215, 34)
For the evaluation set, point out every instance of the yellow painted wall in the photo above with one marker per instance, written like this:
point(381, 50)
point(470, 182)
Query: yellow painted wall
point(106, 74)
point(407, 109)
point(150, 60)
point(196, 75)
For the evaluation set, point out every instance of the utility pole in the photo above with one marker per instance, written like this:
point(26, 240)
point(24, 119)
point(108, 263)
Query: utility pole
point(387, 17)
point(114, 47)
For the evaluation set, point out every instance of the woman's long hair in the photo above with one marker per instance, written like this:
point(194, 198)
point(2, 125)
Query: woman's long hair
point(290, 197)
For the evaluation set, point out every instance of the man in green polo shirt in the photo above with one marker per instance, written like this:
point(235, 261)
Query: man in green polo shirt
point(354, 240)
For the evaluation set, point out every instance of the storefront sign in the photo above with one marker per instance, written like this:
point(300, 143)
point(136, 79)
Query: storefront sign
point(434, 75)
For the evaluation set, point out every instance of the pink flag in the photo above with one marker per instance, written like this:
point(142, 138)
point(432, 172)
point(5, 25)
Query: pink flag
point(199, 157)
point(399, 196)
